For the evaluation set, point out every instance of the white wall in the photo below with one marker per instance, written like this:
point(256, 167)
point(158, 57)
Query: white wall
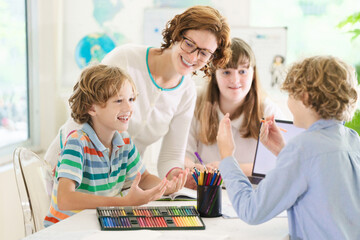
point(11, 218)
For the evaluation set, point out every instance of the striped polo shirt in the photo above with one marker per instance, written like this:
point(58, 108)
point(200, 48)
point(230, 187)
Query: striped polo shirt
point(85, 160)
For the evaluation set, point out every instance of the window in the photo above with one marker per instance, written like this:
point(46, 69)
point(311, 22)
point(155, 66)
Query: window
point(14, 80)
point(311, 26)
point(312, 29)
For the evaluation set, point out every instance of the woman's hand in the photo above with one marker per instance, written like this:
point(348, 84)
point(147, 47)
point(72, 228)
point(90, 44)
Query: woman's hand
point(177, 182)
point(225, 140)
point(271, 137)
point(190, 182)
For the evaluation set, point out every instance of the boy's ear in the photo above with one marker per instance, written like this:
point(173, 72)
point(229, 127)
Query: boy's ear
point(92, 111)
point(305, 98)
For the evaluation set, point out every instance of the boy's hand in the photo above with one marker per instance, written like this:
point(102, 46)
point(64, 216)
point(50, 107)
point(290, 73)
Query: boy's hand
point(177, 182)
point(225, 140)
point(271, 136)
point(137, 196)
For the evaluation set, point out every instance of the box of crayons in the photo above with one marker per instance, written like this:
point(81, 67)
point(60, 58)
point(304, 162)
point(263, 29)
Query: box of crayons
point(155, 218)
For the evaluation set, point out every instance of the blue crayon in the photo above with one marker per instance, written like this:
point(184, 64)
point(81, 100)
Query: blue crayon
point(106, 221)
point(195, 178)
point(103, 222)
point(123, 224)
point(110, 222)
point(213, 178)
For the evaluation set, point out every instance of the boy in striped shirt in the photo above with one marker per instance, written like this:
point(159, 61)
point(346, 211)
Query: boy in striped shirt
point(96, 161)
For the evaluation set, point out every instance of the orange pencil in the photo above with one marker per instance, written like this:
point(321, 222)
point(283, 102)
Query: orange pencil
point(284, 130)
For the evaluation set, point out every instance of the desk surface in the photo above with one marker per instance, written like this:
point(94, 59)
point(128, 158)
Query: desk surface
point(85, 226)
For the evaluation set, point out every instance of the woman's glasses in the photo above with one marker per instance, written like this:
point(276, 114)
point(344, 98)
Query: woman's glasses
point(189, 46)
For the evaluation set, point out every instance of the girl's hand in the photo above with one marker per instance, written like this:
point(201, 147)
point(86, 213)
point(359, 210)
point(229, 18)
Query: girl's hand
point(225, 140)
point(199, 166)
point(271, 137)
point(213, 165)
point(137, 196)
point(177, 182)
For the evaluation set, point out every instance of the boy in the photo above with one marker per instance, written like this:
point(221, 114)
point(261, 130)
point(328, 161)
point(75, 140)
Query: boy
point(97, 160)
point(317, 175)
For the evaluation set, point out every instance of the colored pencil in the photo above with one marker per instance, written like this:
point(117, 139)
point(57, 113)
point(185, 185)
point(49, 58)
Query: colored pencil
point(200, 160)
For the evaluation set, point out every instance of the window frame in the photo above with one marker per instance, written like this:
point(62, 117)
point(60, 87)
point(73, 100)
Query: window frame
point(32, 66)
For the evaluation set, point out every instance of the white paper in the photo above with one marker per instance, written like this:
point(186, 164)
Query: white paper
point(184, 193)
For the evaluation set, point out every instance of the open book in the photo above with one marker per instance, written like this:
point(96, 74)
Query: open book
point(184, 194)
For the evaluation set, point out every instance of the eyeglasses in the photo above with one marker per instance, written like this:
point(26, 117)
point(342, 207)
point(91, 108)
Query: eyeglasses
point(189, 46)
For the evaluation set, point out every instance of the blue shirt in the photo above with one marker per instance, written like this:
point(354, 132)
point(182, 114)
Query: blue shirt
point(316, 179)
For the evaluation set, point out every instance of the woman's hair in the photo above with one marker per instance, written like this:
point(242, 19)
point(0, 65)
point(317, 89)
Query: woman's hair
point(330, 83)
point(96, 85)
point(207, 104)
point(200, 18)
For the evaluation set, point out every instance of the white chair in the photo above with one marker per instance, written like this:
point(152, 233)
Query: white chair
point(34, 180)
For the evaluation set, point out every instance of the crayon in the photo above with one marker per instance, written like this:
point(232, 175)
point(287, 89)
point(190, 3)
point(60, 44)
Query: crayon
point(201, 178)
point(213, 178)
point(195, 178)
point(200, 160)
point(205, 178)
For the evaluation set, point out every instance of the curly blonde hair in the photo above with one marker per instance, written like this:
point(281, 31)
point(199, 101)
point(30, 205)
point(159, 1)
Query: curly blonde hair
point(200, 18)
point(96, 85)
point(330, 83)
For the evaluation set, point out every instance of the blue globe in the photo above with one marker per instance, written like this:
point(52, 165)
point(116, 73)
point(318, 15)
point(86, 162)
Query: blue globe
point(92, 48)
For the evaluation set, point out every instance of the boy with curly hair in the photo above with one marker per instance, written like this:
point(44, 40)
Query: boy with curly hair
point(317, 174)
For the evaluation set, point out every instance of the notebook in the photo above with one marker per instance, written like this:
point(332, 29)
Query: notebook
point(184, 194)
point(264, 160)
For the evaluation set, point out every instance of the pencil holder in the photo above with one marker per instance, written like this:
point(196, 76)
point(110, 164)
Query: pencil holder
point(209, 200)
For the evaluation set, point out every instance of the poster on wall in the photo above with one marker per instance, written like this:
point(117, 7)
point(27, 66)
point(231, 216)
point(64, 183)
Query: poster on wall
point(93, 28)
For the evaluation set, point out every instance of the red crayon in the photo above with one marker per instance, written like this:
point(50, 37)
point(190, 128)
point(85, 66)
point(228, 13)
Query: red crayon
point(163, 221)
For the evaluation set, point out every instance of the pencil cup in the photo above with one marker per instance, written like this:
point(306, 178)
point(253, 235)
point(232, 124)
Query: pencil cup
point(209, 201)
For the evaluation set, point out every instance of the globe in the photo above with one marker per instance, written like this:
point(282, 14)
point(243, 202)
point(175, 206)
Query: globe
point(92, 48)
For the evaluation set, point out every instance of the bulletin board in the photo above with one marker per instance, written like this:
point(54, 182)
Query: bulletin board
point(266, 44)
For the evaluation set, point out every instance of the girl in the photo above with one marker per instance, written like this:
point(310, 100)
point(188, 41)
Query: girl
point(234, 89)
point(192, 41)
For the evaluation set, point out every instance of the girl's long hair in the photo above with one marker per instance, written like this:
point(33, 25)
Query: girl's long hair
point(208, 103)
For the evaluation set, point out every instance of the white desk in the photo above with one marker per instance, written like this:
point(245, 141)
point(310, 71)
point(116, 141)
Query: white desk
point(85, 226)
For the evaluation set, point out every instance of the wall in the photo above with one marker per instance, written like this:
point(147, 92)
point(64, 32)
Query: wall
point(11, 218)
